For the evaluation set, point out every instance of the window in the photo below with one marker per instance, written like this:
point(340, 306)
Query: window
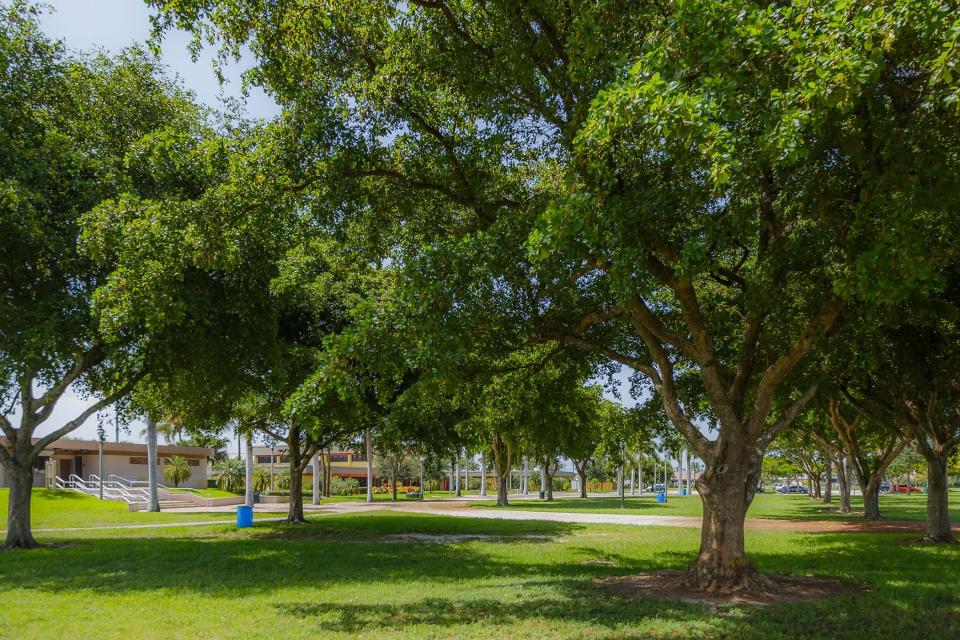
point(338, 457)
point(138, 460)
point(263, 459)
point(359, 457)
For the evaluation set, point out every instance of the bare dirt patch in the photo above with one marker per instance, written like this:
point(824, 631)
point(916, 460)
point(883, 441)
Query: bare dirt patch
point(432, 538)
point(671, 585)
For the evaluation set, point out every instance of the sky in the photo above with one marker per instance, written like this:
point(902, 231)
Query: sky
point(111, 25)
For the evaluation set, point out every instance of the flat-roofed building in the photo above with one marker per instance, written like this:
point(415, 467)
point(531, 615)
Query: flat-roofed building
point(66, 457)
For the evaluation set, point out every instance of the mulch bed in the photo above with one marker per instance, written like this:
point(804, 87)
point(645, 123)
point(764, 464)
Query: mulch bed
point(776, 589)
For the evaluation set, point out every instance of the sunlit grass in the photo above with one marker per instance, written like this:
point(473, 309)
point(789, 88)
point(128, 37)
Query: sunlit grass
point(353, 576)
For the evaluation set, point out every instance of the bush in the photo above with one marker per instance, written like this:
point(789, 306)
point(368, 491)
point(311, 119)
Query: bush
point(344, 486)
point(560, 484)
point(434, 485)
point(176, 470)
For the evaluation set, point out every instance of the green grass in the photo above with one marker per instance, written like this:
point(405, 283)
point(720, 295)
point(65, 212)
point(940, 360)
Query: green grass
point(765, 505)
point(340, 578)
point(58, 509)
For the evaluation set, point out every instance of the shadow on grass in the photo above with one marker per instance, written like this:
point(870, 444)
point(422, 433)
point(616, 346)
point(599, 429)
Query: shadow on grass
point(911, 589)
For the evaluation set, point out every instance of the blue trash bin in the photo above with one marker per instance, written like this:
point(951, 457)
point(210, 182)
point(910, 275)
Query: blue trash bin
point(683, 492)
point(661, 496)
point(244, 516)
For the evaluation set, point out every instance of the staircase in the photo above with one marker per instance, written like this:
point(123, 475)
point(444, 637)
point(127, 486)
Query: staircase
point(131, 492)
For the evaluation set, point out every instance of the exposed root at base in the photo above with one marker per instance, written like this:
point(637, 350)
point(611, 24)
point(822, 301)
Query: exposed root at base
point(761, 589)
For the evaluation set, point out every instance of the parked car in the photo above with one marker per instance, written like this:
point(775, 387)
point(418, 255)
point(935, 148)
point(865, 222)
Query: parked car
point(904, 488)
point(791, 488)
point(656, 488)
point(884, 486)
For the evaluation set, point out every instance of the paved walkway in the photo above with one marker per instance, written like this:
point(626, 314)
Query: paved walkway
point(461, 508)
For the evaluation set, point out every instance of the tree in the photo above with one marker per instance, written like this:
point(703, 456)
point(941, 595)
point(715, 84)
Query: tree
point(870, 447)
point(75, 131)
point(228, 474)
point(710, 206)
point(176, 470)
point(904, 376)
point(395, 465)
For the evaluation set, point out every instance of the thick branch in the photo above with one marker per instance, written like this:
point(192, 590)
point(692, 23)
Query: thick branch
point(80, 419)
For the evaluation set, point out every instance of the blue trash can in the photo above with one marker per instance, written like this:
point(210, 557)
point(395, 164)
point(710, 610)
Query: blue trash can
point(683, 492)
point(661, 497)
point(244, 516)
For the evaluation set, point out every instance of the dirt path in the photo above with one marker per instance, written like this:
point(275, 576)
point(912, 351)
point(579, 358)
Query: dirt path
point(463, 509)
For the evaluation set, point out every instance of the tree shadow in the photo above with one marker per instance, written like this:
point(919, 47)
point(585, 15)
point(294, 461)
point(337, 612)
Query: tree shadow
point(911, 589)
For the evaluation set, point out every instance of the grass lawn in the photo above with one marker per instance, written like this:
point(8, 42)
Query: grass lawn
point(345, 577)
point(765, 505)
point(56, 509)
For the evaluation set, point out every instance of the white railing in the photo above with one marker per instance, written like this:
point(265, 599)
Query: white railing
point(93, 486)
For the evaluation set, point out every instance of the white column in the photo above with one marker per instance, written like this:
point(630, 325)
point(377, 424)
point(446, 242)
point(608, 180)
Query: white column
point(483, 473)
point(248, 473)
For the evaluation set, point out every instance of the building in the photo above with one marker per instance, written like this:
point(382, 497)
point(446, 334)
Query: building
point(64, 458)
point(343, 464)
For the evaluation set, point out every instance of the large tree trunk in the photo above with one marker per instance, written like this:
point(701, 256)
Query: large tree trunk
point(582, 472)
point(248, 473)
point(501, 468)
point(938, 516)
point(295, 510)
point(871, 498)
point(20, 476)
point(726, 489)
point(153, 502)
point(548, 477)
point(393, 485)
point(843, 476)
point(828, 475)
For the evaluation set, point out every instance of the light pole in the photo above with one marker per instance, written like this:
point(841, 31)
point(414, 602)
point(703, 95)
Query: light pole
point(272, 447)
point(100, 459)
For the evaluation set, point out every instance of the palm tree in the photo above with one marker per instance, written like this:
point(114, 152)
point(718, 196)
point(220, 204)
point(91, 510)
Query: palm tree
point(228, 474)
point(261, 479)
point(176, 470)
point(153, 503)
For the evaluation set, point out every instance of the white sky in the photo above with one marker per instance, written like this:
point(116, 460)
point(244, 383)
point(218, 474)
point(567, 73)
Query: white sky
point(111, 25)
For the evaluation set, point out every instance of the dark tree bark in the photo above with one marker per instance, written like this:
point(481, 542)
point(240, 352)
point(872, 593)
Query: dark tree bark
point(726, 489)
point(548, 478)
point(843, 475)
point(581, 466)
point(828, 478)
point(938, 514)
point(19, 535)
point(501, 468)
point(871, 498)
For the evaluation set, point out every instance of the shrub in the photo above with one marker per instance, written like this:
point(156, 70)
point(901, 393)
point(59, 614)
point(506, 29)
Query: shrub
point(261, 479)
point(176, 470)
point(560, 484)
point(344, 486)
point(229, 474)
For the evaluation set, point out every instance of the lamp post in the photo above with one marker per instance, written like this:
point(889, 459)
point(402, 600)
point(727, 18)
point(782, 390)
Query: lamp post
point(272, 447)
point(100, 459)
